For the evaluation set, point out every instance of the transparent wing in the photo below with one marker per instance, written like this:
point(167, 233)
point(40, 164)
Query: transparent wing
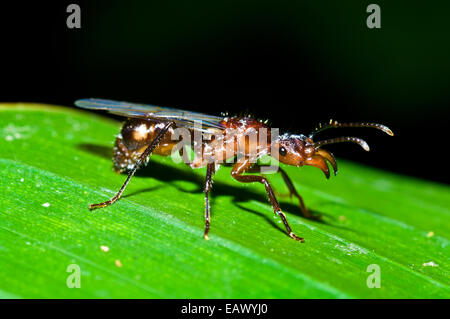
point(192, 120)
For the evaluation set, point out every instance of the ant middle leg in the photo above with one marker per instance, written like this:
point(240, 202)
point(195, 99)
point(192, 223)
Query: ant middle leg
point(237, 173)
point(208, 184)
point(148, 151)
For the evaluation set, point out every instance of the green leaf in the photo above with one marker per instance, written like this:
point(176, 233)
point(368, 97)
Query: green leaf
point(54, 162)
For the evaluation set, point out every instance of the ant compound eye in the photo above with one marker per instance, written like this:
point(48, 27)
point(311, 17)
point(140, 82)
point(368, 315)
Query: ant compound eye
point(282, 151)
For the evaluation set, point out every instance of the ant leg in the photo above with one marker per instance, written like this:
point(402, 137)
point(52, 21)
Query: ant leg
point(292, 191)
point(237, 173)
point(208, 183)
point(148, 151)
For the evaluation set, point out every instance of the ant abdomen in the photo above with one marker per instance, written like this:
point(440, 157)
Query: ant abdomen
point(134, 138)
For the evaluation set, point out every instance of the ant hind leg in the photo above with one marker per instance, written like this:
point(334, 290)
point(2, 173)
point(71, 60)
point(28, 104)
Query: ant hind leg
point(148, 151)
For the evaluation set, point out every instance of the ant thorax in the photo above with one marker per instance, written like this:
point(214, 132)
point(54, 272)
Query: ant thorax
point(242, 137)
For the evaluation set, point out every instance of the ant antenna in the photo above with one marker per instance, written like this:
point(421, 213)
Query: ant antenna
point(335, 124)
point(356, 140)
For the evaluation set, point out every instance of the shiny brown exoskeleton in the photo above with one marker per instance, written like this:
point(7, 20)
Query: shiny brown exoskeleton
point(151, 129)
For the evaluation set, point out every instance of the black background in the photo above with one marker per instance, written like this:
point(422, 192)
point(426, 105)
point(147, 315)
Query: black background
point(224, 58)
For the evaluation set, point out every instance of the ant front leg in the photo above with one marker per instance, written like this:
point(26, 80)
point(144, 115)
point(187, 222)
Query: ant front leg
point(210, 170)
point(148, 151)
point(292, 191)
point(237, 173)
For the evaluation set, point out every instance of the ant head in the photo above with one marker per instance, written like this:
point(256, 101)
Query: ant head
point(299, 150)
point(294, 149)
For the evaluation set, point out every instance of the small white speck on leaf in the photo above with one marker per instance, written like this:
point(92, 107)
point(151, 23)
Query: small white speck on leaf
point(12, 132)
point(22, 179)
point(46, 204)
point(104, 248)
point(430, 234)
point(430, 264)
point(351, 249)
